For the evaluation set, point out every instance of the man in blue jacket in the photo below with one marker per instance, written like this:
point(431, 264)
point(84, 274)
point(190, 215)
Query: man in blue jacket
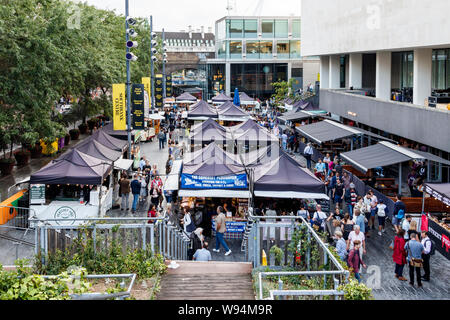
point(136, 190)
point(398, 213)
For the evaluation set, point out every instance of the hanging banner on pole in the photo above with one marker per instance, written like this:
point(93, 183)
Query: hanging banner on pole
point(137, 106)
point(147, 86)
point(159, 99)
point(169, 90)
point(119, 107)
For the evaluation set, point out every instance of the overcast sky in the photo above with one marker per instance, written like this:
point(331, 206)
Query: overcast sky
point(176, 15)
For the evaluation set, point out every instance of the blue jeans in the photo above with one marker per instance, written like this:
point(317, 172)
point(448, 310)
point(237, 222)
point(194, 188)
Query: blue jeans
point(308, 161)
point(135, 201)
point(350, 210)
point(221, 241)
point(161, 144)
point(358, 277)
point(284, 145)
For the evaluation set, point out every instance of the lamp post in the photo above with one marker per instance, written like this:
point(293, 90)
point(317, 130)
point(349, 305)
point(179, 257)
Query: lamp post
point(152, 65)
point(164, 66)
point(127, 36)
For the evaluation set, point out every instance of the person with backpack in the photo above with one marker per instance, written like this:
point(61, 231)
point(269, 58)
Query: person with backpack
point(428, 250)
point(136, 191)
point(398, 213)
point(354, 259)
point(152, 213)
point(381, 213)
point(319, 219)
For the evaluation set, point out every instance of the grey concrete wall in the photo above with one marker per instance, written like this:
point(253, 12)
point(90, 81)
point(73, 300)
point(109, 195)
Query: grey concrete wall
point(346, 26)
point(311, 69)
point(422, 124)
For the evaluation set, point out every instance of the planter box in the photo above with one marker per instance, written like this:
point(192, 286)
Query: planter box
point(74, 134)
point(6, 167)
point(22, 158)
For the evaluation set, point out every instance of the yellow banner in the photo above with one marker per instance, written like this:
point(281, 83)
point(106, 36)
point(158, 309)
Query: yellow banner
point(119, 107)
point(147, 87)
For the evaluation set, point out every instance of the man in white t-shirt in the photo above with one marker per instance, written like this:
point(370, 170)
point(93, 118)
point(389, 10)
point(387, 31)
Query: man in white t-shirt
point(320, 217)
point(356, 234)
point(405, 225)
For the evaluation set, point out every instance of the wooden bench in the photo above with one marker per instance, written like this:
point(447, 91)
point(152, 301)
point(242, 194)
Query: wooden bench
point(414, 205)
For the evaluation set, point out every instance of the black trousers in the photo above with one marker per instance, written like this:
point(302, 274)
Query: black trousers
point(411, 275)
point(426, 266)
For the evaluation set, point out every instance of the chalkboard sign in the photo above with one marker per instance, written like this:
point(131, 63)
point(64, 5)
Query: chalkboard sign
point(37, 194)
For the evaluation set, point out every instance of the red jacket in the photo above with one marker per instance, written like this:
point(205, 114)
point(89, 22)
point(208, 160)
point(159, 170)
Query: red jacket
point(399, 255)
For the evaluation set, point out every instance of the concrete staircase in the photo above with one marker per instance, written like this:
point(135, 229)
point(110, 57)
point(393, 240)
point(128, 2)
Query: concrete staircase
point(208, 281)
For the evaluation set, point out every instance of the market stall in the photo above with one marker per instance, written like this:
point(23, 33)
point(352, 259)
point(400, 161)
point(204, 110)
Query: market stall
point(221, 98)
point(202, 111)
point(75, 185)
point(439, 224)
point(232, 113)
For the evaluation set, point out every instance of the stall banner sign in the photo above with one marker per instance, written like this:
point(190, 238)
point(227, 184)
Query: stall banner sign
point(190, 181)
point(137, 106)
point(232, 226)
point(159, 99)
point(37, 194)
point(119, 107)
point(169, 86)
point(441, 237)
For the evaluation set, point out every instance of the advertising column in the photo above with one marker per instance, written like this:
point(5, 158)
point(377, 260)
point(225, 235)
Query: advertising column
point(159, 99)
point(119, 107)
point(137, 106)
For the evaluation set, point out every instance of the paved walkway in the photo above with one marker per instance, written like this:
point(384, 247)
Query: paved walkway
point(207, 281)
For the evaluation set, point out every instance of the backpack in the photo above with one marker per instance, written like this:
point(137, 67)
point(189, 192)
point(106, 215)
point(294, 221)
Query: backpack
point(433, 247)
point(198, 218)
point(190, 227)
point(400, 214)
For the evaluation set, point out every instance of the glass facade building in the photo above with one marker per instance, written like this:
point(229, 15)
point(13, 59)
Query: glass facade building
point(254, 52)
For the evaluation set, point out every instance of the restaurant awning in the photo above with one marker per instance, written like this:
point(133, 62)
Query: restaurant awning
point(385, 154)
point(329, 130)
point(440, 191)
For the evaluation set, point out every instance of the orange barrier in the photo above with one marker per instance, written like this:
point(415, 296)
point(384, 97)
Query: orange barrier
point(7, 213)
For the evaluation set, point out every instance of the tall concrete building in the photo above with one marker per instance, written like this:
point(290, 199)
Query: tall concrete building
point(254, 52)
point(386, 66)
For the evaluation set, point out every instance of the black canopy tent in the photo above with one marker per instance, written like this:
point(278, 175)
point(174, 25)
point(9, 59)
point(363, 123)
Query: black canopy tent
point(245, 99)
point(224, 106)
point(208, 131)
point(73, 167)
point(221, 98)
point(202, 111)
point(233, 113)
point(97, 150)
point(293, 116)
point(186, 97)
point(384, 154)
point(118, 134)
point(109, 141)
point(285, 178)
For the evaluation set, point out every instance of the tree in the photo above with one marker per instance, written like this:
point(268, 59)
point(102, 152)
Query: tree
point(283, 90)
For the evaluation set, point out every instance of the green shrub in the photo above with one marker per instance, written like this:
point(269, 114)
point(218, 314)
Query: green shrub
point(356, 291)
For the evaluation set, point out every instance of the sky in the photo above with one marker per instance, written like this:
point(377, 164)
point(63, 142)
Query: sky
point(176, 15)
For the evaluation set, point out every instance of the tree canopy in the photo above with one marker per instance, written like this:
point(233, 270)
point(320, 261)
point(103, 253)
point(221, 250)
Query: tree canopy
point(56, 48)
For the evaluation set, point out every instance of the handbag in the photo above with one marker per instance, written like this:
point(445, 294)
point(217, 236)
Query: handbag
point(414, 262)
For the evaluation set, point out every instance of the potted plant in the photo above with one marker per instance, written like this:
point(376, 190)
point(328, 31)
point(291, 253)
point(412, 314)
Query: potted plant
point(67, 139)
point(92, 123)
point(83, 128)
point(74, 134)
point(22, 157)
point(36, 151)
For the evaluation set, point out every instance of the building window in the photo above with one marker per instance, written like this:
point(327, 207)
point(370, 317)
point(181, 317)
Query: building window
point(283, 50)
point(295, 49)
point(297, 72)
point(281, 28)
point(222, 50)
point(221, 31)
point(267, 28)
point(266, 49)
point(441, 69)
point(235, 28)
point(296, 28)
point(251, 28)
point(252, 49)
point(407, 70)
point(235, 49)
